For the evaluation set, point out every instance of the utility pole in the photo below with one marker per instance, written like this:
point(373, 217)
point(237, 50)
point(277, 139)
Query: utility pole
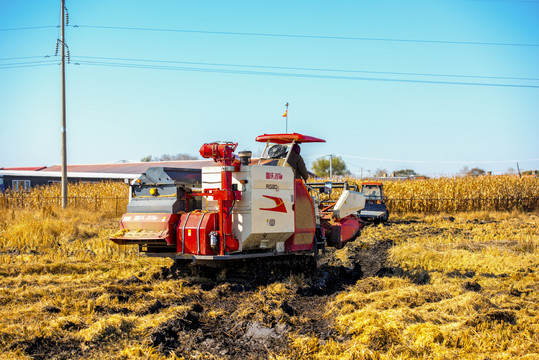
point(64, 150)
point(331, 166)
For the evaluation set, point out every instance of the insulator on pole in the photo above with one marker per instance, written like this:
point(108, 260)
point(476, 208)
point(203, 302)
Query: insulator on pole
point(67, 16)
point(56, 51)
point(67, 54)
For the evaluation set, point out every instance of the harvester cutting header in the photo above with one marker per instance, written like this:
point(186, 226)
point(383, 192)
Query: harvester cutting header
point(240, 208)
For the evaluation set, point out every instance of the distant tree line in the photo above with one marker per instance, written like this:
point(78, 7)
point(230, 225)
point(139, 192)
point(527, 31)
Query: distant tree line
point(169, 157)
point(404, 173)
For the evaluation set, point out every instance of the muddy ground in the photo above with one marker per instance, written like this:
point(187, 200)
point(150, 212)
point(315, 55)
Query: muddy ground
point(300, 311)
point(252, 321)
point(234, 317)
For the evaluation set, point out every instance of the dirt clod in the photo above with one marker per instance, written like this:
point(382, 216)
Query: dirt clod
point(133, 280)
point(165, 336)
point(43, 348)
point(471, 286)
point(51, 309)
point(493, 315)
point(154, 308)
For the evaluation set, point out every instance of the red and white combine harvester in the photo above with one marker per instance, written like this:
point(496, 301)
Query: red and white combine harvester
point(238, 209)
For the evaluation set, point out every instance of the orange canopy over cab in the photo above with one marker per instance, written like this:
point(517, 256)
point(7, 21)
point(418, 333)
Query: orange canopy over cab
point(287, 138)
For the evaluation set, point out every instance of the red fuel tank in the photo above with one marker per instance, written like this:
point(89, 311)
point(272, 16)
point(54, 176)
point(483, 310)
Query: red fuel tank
point(193, 232)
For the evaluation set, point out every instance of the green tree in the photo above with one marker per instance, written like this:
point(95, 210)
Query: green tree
point(476, 172)
point(321, 166)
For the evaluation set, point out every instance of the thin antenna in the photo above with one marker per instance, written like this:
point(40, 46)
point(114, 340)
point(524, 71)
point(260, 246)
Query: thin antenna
point(64, 150)
point(286, 115)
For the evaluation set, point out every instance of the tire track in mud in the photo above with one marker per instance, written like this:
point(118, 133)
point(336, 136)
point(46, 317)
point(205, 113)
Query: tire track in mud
point(302, 309)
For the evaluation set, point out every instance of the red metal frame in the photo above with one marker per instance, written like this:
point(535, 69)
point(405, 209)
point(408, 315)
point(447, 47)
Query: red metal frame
point(350, 226)
point(223, 153)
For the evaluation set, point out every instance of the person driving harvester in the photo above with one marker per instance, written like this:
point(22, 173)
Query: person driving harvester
point(297, 164)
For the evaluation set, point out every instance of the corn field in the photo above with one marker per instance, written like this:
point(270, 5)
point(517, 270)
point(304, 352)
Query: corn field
point(486, 193)
point(107, 197)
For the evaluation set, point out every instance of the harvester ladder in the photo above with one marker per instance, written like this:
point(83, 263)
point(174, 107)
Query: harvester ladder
point(319, 242)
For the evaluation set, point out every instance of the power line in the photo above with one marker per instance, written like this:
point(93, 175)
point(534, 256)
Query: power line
point(25, 57)
point(299, 36)
point(439, 162)
point(31, 62)
point(25, 66)
point(30, 28)
point(299, 75)
point(326, 37)
point(153, 66)
point(308, 69)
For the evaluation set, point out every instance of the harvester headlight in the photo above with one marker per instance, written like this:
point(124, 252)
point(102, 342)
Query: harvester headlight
point(153, 191)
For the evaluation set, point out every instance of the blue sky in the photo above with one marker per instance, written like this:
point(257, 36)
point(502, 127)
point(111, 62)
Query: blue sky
point(222, 77)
